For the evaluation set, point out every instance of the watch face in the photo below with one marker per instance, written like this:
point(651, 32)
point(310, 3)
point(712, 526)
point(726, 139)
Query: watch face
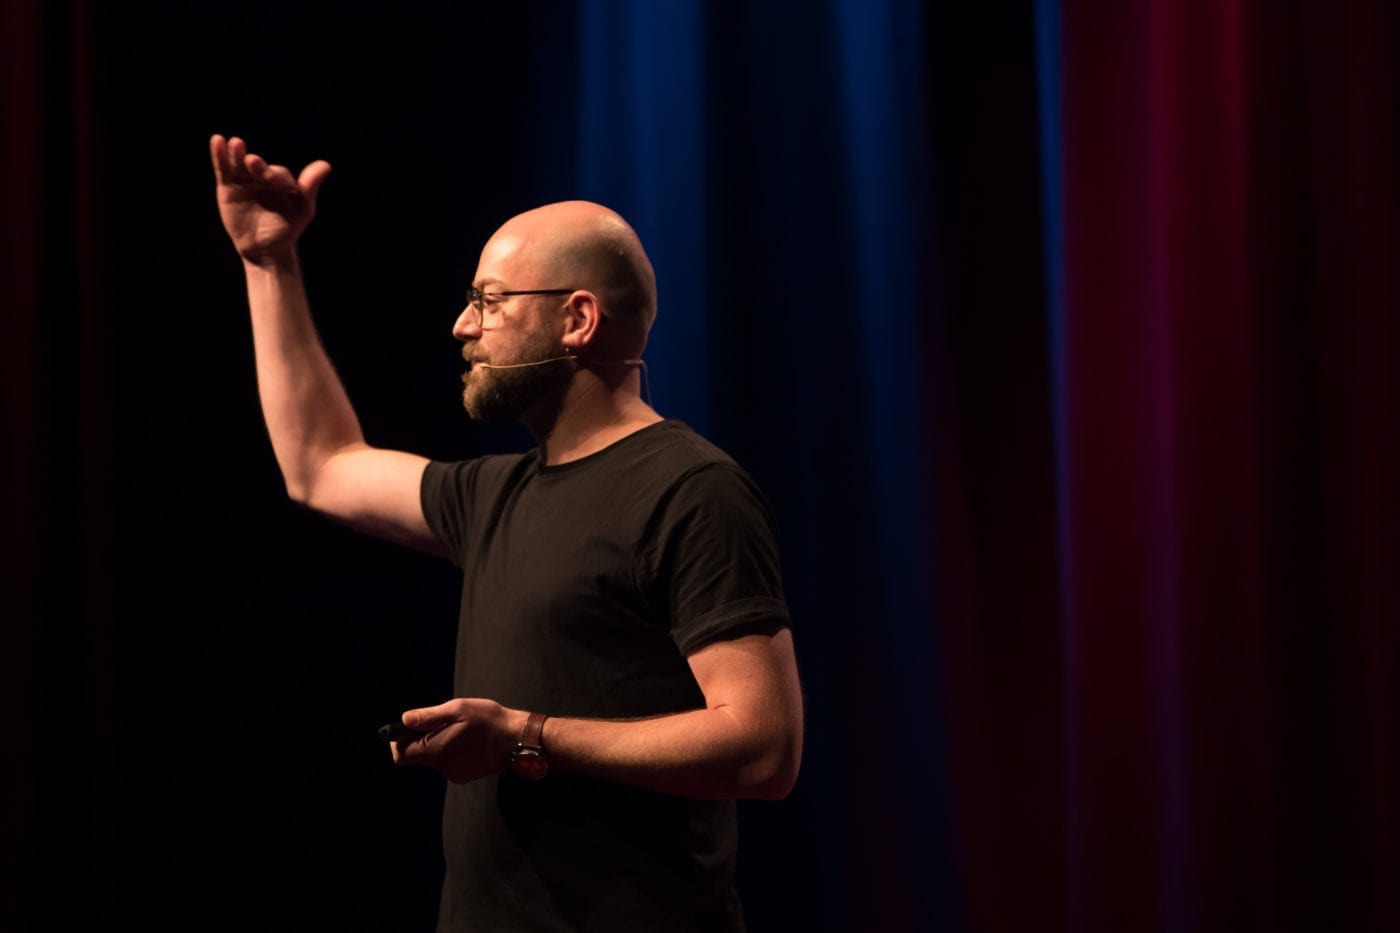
point(529, 763)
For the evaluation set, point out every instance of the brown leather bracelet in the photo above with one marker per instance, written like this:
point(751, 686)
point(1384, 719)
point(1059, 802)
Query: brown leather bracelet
point(534, 728)
point(528, 759)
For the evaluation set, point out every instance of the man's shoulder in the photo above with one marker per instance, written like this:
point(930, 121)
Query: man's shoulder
point(683, 470)
point(678, 440)
point(662, 456)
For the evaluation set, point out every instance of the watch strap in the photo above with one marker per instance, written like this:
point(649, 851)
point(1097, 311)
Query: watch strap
point(534, 727)
point(528, 760)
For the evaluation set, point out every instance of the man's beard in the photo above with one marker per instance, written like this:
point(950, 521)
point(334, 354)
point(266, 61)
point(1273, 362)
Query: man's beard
point(504, 394)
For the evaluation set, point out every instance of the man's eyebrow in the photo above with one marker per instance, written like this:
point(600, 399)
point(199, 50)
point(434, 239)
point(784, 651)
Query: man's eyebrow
point(482, 283)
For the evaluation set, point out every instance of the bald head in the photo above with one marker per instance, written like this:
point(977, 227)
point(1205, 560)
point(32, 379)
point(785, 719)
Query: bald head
point(583, 245)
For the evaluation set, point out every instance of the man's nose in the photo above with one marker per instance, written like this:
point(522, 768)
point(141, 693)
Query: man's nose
point(466, 327)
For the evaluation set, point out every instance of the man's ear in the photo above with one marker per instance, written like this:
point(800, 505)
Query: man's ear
point(582, 315)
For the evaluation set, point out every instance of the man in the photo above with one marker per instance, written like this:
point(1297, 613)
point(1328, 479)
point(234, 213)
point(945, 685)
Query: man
point(624, 665)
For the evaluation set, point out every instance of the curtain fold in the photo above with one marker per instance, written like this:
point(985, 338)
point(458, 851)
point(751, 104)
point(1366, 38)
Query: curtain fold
point(1060, 335)
point(1224, 234)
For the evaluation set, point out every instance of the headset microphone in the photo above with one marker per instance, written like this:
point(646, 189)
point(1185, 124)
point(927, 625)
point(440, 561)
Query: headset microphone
point(552, 359)
point(646, 376)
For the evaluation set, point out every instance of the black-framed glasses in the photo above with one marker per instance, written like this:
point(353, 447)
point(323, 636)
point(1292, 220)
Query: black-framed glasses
point(477, 300)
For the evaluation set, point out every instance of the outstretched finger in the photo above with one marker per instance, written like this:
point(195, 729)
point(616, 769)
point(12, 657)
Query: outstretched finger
point(237, 150)
point(247, 166)
point(218, 154)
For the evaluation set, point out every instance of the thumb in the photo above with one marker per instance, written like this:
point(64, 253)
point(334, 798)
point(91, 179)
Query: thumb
point(312, 176)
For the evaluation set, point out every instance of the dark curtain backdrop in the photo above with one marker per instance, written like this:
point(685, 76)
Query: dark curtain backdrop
point(1060, 335)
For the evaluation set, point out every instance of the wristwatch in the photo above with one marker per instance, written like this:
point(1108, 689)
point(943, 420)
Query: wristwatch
point(528, 759)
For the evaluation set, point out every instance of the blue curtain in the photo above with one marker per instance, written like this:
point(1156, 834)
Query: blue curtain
point(1060, 335)
point(773, 159)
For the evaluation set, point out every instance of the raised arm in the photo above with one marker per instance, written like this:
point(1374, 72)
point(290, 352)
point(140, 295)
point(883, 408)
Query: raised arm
point(315, 434)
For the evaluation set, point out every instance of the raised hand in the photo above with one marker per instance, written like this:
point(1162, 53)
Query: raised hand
point(263, 207)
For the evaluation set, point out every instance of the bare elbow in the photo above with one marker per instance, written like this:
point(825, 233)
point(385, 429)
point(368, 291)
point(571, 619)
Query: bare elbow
point(297, 480)
point(299, 492)
point(776, 788)
point(784, 776)
point(772, 775)
point(306, 486)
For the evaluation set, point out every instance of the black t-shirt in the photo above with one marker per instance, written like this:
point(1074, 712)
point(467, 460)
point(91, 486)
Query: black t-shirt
point(584, 587)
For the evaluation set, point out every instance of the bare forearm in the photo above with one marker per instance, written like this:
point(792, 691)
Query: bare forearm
point(308, 414)
point(701, 753)
point(747, 741)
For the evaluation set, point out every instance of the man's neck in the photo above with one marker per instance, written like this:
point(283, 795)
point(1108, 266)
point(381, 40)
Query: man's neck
point(593, 416)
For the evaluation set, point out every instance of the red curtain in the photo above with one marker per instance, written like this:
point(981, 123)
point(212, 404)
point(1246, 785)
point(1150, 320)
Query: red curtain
point(56, 678)
point(1166, 605)
point(1221, 223)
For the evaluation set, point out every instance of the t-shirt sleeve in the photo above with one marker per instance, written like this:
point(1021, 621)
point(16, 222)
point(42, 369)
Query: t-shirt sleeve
point(715, 557)
point(445, 490)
